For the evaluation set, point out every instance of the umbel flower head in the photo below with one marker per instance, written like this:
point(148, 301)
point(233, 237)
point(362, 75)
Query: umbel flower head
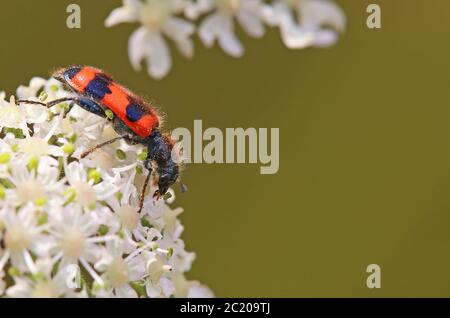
point(69, 227)
point(302, 23)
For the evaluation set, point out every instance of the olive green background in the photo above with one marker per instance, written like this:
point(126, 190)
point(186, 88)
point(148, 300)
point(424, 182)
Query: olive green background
point(365, 150)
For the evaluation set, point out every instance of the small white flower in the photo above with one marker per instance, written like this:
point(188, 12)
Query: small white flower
point(219, 25)
point(81, 128)
point(35, 181)
point(172, 223)
point(36, 84)
point(86, 192)
point(120, 270)
point(190, 289)
point(12, 116)
point(44, 283)
point(322, 17)
point(158, 283)
point(129, 219)
point(157, 19)
point(22, 236)
point(197, 290)
point(75, 238)
point(311, 26)
point(26, 288)
point(36, 146)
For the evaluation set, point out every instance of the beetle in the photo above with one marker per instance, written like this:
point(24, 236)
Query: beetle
point(135, 120)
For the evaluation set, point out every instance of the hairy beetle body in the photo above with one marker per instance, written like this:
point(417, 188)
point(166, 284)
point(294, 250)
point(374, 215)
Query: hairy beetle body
point(132, 110)
point(135, 120)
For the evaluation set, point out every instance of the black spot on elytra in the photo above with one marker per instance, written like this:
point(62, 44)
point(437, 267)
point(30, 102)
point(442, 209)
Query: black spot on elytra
point(135, 111)
point(98, 87)
point(71, 72)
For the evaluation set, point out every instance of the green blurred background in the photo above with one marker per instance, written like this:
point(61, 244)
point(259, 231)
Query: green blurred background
point(364, 165)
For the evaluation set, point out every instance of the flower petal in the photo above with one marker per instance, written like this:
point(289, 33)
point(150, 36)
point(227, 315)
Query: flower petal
point(206, 30)
point(295, 37)
point(158, 56)
point(198, 290)
point(194, 9)
point(231, 45)
point(125, 14)
point(126, 292)
point(325, 38)
point(136, 47)
point(250, 19)
point(220, 26)
point(180, 31)
point(317, 13)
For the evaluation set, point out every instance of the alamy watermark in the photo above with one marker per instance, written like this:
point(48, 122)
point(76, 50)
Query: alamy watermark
point(374, 19)
point(374, 278)
point(73, 20)
point(232, 145)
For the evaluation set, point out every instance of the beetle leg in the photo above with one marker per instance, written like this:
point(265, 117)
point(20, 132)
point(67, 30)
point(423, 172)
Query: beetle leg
point(86, 103)
point(144, 188)
point(91, 150)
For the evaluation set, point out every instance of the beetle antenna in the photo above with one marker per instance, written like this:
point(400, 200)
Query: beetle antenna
point(183, 188)
point(52, 103)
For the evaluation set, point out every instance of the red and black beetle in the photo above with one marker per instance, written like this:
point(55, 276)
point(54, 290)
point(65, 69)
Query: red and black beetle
point(135, 120)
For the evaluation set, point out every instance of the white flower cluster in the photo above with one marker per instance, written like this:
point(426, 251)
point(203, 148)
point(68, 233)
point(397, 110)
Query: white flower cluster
point(69, 227)
point(302, 23)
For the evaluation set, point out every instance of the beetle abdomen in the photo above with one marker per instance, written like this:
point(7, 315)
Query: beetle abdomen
point(135, 113)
